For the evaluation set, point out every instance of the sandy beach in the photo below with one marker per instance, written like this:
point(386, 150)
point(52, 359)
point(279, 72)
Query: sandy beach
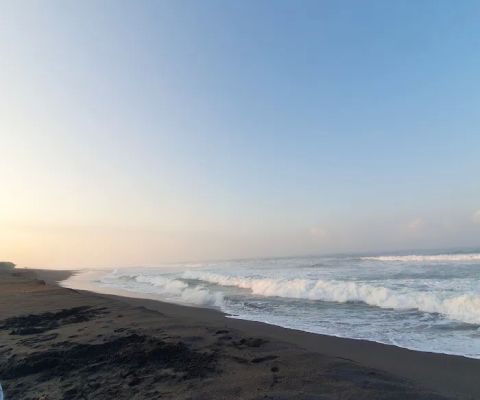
point(59, 343)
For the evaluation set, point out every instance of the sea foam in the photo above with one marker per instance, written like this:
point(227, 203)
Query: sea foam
point(171, 288)
point(464, 307)
point(475, 257)
point(418, 301)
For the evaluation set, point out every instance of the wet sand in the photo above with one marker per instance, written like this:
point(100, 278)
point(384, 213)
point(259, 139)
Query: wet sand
point(58, 343)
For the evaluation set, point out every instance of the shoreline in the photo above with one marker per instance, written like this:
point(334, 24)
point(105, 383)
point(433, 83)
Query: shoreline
point(366, 352)
point(447, 375)
point(361, 353)
point(66, 274)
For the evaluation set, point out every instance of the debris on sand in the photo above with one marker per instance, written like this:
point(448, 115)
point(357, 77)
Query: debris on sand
point(39, 323)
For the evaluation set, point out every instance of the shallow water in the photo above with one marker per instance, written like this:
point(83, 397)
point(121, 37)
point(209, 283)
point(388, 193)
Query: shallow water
point(428, 302)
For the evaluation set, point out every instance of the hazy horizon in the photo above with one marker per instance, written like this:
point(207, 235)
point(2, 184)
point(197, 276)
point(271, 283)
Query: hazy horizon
point(159, 132)
point(461, 250)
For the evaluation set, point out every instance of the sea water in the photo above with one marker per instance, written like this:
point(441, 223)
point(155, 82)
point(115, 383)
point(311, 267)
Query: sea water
point(428, 302)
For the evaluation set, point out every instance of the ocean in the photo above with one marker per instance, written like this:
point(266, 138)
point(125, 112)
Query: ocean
point(428, 302)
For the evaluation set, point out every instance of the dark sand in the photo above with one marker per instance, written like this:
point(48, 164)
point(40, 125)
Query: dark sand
point(58, 343)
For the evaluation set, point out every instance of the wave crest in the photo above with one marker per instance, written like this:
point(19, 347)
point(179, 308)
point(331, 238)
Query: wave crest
point(168, 287)
point(465, 308)
point(427, 258)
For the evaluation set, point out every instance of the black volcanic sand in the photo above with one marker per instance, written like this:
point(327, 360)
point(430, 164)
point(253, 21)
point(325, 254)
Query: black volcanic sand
point(58, 343)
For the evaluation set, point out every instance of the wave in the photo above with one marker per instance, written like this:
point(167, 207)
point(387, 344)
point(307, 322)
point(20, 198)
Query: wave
point(168, 287)
point(465, 307)
point(427, 258)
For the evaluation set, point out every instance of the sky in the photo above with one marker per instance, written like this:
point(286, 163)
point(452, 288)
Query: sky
point(147, 132)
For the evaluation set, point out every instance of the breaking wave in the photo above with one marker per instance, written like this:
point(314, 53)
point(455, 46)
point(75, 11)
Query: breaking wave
point(428, 258)
point(465, 307)
point(170, 288)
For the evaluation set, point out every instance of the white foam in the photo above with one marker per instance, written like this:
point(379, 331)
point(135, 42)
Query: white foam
point(169, 287)
point(441, 291)
point(464, 307)
point(428, 258)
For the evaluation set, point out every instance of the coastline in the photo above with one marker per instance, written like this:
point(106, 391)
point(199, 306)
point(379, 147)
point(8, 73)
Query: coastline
point(356, 368)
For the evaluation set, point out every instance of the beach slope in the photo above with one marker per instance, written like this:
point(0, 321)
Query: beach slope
point(58, 343)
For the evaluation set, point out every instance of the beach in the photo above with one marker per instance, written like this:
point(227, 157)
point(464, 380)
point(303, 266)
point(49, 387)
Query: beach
point(59, 343)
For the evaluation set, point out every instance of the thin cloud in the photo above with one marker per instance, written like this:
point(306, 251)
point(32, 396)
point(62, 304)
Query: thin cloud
point(318, 233)
point(476, 217)
point(416, 225)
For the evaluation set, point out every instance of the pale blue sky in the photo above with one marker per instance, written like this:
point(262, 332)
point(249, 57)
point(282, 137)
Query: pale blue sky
point(143, 132)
